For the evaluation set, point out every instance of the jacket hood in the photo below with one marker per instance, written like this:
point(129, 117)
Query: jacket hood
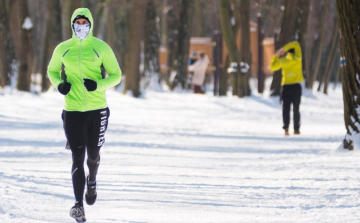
point(289, 56)
point(84, 12)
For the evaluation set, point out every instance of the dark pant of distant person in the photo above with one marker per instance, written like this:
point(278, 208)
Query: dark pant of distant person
point(291, 94)
point(198, 90)
point(85, 132)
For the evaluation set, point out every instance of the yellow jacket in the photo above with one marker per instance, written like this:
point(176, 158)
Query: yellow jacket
point(291, 64)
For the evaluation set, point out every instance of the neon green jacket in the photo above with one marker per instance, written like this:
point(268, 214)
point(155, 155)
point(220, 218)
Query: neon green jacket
point(84, 59)
point(291, 64)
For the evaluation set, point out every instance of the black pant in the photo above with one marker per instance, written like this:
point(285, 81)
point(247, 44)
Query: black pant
point(291, 94)
point(85, 132)
point(197, 89)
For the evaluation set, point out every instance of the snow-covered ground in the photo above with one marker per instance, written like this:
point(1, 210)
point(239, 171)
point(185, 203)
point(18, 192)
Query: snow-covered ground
point(180, 157)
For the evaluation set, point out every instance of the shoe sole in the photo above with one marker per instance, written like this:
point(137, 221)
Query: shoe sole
point(90, 200)
point(81, 218)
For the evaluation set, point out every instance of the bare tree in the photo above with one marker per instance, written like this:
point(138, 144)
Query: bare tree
point(329, 60)
point(171, 37)
point(187, 7)
point(334, 62)
point(7, 53)
point(228, 34)
point(240, 80)
point(21, 31)
point(136, 34)
point(270, 11)
point(67, 9)
point(348, 17)
point(197, 18)
point(151, 46)
point(51, 36)
point(323, 26)
point(291, 28)
point(245, 54)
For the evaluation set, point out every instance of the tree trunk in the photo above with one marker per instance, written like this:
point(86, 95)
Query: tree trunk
point(183, 46)
point(330, 56)
point(290, 28)
point(136, 34)
point(171, 34)
point(312, 39)
point(22, 37)
point(333, 63)
point(197, 19)
point(348, 17)
point(217, 61)
point(224, 77)
point(323, 27)
point(7, 52)
point(245, 53)
point(230, 40)
point(151, 47)
point(68, 8)
point(51, 38)
point(337, 70)
point(110, 36)
point(304, 5)
point(275, 87)
point(235, 16)
point(260, 73)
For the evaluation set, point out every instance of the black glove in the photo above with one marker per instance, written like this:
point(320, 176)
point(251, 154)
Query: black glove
point(64, 88)
point(90, 85)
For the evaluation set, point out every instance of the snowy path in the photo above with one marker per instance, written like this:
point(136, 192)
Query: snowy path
point(174, 157)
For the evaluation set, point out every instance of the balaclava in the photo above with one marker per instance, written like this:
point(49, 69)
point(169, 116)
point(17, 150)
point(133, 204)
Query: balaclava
point(81, 31)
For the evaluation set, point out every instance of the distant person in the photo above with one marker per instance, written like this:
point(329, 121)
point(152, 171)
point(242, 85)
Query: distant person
point(289, 59)
point(85, 115)
point(199, 71)
point(193, 58)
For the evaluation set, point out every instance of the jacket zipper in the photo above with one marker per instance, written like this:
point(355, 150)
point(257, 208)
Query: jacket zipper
point(82, 78)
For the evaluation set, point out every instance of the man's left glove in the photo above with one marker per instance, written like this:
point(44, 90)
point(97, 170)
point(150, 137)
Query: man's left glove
point(90, 85)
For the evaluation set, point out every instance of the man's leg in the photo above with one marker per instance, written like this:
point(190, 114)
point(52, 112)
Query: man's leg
point(78, 174)
point(296, 107)
point(96, 133)
point(75, 131)
point(286, 104)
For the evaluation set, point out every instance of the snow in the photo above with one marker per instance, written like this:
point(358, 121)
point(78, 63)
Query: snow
point(180, 157)
point(27, 24)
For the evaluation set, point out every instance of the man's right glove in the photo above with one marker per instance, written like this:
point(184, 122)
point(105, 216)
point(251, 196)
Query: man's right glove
point(64, 88)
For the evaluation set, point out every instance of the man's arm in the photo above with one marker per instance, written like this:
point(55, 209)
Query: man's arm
point(296, 46)
point(113, 69)
point(275, 63)
point(54, 68)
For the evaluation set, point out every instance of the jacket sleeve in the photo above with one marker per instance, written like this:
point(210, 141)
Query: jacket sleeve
point(113, 69)
point(296, 46)
point(193, 66)
point(275, 63)
point(54, 68)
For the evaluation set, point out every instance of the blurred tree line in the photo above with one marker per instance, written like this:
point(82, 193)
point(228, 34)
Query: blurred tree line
point(135, 30)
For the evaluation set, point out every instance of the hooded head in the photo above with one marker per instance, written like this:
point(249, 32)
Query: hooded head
point(290, 54)
point(292, 50)
point(82, 31)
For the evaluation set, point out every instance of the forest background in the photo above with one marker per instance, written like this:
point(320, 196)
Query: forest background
point(136, 29)
point(30, 30)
